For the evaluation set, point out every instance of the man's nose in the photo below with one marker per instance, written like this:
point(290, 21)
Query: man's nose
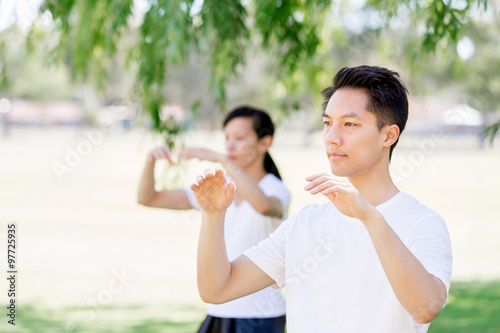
point(332, 136)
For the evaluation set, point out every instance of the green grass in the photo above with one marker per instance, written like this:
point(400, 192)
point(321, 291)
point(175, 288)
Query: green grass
point(473, 307)
point(178, 318)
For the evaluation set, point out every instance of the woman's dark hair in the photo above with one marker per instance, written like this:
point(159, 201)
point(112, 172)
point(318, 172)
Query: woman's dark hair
point(262, 125)
point(388, 99)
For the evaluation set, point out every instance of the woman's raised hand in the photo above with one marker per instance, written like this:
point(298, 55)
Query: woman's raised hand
point(159, 153)
point(213, 192)
point(201, 154)
point(163, 152)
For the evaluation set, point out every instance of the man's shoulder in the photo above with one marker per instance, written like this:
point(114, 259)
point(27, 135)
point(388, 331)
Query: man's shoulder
point(409, 213)
point(411, 205)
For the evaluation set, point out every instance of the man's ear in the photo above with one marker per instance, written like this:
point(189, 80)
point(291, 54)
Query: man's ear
point(265, 142)
point(391, 134)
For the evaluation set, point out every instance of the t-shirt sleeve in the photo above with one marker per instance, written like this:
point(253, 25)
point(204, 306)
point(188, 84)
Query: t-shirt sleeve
point(192, 198)
point(431, 245)
point(274, 187)
point(269, 255)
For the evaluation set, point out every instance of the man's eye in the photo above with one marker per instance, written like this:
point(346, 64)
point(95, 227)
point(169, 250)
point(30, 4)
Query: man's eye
point(326, 123)
point(350, 124)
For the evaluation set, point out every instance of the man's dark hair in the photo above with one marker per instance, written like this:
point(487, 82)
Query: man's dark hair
point(387, 95)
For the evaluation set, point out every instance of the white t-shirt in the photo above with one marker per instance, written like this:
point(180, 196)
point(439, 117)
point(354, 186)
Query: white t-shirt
point(333, 277)
point(245, 227)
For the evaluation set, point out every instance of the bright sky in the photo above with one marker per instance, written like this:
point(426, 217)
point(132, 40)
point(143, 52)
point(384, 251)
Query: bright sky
point(21, 11)
point(24, 12)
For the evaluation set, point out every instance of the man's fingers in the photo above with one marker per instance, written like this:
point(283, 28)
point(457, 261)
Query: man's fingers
point(320, 178)
point(335, 189)
point(316, 175)
point(317, 181)
point(219, 172)
point(194, 187)
point(230, 191)
point(219, 175)
point(320, 187)
point(209, 174)
point(200, 180)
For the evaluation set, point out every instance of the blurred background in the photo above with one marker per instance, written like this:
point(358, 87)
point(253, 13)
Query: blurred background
point(87, 88)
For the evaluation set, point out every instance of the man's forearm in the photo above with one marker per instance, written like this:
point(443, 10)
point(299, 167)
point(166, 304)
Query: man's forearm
point(214, 267)
point(419, 292)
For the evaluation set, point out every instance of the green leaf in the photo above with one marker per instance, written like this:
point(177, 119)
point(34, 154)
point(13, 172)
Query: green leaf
point(491, 131)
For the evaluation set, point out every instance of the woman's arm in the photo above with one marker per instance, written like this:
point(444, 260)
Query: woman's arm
point(148, 196)
point(250, 190)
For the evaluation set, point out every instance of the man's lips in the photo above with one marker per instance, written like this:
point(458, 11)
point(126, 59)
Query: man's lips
point(334, 155)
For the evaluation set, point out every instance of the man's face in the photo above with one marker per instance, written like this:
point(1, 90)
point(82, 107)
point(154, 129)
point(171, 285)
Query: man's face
point(353, 142)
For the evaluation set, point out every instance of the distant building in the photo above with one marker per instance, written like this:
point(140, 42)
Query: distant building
point(65, 113)
point(56, 113)
point(463, 119)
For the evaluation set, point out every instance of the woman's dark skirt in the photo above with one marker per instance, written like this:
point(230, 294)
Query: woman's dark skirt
point(243, 325)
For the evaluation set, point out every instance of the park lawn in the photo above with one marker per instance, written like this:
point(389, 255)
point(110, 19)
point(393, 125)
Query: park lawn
point(473, 307)
point(172, 318)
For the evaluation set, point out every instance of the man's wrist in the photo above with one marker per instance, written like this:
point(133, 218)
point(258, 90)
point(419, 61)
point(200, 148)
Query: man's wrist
point(216, 214)
point(372, 217)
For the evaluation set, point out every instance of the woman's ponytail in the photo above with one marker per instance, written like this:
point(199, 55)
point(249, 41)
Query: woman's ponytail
point(270, 166)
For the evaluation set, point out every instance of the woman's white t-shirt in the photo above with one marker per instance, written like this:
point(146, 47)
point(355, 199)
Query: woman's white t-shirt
point(245, 227)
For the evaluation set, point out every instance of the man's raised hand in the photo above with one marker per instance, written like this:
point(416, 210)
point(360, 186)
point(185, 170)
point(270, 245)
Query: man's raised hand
point(213, 192)
point(342, 194)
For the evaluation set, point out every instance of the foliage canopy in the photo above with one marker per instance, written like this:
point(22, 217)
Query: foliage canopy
point(159, 35)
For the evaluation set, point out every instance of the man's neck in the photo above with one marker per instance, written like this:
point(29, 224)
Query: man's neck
point(377, 188)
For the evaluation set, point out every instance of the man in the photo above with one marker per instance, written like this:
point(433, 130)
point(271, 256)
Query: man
point(372, 259)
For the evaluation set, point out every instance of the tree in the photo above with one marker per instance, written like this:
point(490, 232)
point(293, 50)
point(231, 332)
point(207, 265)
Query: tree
point(299, 34)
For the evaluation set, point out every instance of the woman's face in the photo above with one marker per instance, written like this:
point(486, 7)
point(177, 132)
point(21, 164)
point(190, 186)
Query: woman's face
point(242, 143)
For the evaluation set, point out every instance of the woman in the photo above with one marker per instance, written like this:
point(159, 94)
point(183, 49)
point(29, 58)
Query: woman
point(261, 202)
